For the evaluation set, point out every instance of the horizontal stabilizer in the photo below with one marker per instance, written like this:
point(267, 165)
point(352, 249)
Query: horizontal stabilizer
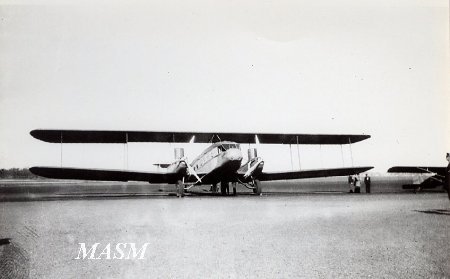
point(267, 176)
point(91, 136)
point(416, 169)
point(105, 175)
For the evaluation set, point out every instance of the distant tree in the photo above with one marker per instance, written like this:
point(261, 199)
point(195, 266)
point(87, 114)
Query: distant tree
point(17, 173)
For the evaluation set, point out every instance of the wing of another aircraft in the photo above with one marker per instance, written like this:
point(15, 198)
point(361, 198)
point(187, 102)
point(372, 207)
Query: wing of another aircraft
point(416, 169)
point(314, 173)
point(93, 136)
point(435, 179)
point(105, 175)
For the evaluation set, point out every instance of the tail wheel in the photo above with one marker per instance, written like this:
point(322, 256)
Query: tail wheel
point(257, 187)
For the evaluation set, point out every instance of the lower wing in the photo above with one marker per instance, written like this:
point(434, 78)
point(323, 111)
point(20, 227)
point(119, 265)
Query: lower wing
point(267, 176)
point(436, 176)
point(105, 175)
point(418, 169)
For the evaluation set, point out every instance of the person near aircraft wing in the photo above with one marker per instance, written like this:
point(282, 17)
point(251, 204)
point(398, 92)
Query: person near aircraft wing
point(350, 183)
point(447, 175)
point(367, 182)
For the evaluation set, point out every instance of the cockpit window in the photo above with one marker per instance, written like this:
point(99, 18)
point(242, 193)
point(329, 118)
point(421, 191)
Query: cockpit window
point(227, 146)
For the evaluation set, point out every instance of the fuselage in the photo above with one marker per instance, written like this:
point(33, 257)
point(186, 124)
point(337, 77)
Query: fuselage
point(219, 162)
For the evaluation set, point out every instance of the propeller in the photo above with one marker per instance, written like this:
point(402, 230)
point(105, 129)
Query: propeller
point(191, 170)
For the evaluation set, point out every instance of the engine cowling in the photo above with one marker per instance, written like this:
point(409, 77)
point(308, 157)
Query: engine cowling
point(255, 164)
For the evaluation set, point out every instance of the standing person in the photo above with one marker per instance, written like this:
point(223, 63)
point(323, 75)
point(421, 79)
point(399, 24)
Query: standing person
point(357, 183)
point(367, 183)
point(447, 175)
point(350, 183)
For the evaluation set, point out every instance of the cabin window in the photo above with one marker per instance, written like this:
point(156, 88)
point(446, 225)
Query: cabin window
point(227, 146)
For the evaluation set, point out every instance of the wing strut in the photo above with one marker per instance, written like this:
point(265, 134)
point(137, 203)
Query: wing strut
point(321, 157)
point(298, 155)
point(290, 153)
point(61, 155)
point(350, 146)
point(125, 152)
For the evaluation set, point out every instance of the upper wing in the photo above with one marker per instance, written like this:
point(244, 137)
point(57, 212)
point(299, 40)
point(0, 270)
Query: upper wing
point(266, 176)
point(91, 136)
point(415, 169)
point(105, 175)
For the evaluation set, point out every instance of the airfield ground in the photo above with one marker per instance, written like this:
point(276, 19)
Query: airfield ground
point(48, 189)
point(334, 235)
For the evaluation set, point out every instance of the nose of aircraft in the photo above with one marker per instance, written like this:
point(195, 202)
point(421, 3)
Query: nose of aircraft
point(234, 154)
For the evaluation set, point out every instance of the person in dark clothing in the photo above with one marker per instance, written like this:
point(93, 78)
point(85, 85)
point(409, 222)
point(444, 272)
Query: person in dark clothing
point(357, 184)
point(367, 183)
point(447, 175)
point(350, 183)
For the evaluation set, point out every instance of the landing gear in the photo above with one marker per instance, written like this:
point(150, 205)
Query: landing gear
point(257, 187)
point(224, 188)
point(180, 189)
point(214, 188)
point(234, 188)
point(254, 185)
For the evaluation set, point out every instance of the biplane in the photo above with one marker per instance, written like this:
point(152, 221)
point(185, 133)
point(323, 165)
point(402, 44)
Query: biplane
point(221, 163)
point(427, 177)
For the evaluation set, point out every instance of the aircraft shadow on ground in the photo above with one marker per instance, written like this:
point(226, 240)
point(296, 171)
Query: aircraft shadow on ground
point(435, 211)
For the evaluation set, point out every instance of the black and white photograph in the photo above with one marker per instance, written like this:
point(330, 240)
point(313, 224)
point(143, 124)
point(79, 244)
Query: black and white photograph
point(224, 139)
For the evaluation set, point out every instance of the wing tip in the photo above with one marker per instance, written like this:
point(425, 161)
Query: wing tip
point(403, 169)
point(367, 168)
point(361, 138)
point(392, 169)
point(34, 133)
point(40, 134)
point(358, 170)
point(39, 171)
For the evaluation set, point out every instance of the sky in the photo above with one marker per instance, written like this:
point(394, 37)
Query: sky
point(361, 67)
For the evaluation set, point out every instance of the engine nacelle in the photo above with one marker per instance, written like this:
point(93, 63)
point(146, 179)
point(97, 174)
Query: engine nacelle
point(179, 153)
point(255, 164)
point(252, 153)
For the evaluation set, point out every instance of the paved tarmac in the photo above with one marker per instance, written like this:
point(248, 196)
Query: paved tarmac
point(281, 236)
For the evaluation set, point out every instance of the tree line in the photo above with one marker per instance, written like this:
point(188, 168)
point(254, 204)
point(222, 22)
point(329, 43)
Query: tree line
point(17, 173)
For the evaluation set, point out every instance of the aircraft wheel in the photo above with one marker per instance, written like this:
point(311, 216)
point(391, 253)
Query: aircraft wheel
point(234, 188)
point(448, 190)
point(257, 185)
